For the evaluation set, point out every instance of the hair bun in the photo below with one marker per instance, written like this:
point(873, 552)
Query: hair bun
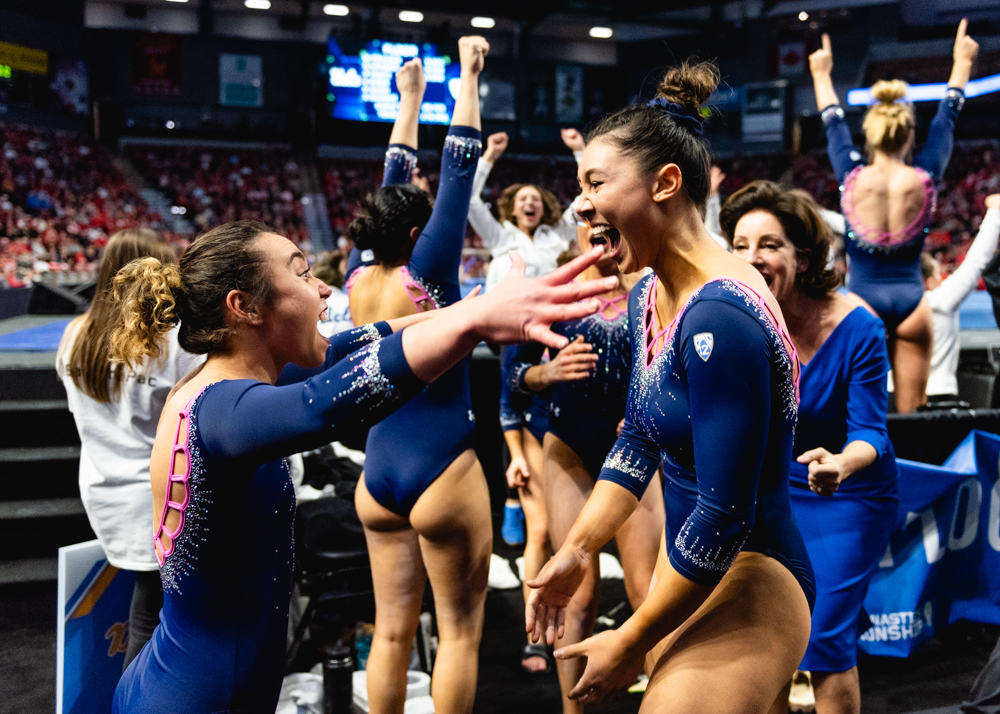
point(889, 91)
point(689, 85)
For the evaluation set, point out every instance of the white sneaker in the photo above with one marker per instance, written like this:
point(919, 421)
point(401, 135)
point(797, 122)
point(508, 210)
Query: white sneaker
point(802, 698)
point(611, 569)
point(501, 576)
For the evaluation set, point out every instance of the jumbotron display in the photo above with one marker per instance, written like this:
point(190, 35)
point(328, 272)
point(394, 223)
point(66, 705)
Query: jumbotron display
point(362, 87)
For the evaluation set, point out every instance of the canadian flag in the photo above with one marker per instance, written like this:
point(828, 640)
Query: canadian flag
point(791, 59)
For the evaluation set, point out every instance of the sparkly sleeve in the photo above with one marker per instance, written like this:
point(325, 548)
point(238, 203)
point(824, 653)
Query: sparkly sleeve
point(341, 345)
point(514, 396)
point(400, 160)
point(936, 154)
point(633, 459)
point(844, 156)
point(438, 251)
point(255, 423)
point(730, 392)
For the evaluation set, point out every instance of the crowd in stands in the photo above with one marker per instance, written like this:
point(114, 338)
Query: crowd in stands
point(61, 197)
point(218, 185)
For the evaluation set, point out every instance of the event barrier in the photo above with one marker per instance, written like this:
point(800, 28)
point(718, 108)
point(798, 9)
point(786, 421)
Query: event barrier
point(943, 560)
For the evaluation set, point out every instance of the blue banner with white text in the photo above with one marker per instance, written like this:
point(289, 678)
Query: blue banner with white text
point(943, 560)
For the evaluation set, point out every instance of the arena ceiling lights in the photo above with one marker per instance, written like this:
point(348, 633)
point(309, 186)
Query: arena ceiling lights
point(930, 92)
point(257, 4)
point(411, 16)
point(484, 23)
point(336, 10)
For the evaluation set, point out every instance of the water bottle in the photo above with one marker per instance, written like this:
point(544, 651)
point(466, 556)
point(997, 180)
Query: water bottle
point(338, 679)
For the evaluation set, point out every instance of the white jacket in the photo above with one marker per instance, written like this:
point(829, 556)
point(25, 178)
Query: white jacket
point(116, 443)
point(539, 253)
point(949, 296)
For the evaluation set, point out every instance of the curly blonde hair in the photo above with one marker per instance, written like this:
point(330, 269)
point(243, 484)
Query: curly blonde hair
point(889, 124)
point(144, 309)
point(149, 297)
point(551, 209)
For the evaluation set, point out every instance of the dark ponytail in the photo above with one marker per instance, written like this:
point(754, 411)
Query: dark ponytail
point(386, 218)
point(668, 130)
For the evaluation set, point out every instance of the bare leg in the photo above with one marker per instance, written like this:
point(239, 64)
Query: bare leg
point(568, 485)
point(537, 550)
point(398, 576)
point(639, 542)
point(453, 519)
point(837, 692)
point(910, 353)
point(746, 640)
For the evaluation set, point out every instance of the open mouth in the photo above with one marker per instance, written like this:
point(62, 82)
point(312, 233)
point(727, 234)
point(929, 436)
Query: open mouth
point(324, 316)
point(529, 213)
point(607, 237)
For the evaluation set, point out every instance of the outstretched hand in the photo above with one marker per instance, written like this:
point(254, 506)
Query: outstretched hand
point(552, 589)
point(523, 310)
point(993, 201)
point(612, 665)
point(821, 61)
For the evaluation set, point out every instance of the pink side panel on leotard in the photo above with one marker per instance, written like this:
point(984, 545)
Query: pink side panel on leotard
point(181, 445)
point(889, 238)
point(649, 329)
point(410, 284)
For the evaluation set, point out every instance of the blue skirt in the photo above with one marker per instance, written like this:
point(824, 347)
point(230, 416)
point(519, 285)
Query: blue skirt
point(846, 537)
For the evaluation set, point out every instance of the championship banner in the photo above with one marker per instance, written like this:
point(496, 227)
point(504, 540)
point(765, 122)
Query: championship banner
point(943, 560)
point(92, 628)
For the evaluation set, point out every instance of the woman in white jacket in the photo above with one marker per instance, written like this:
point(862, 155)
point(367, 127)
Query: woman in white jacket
point(530, 223)
point(116, 410)
point(946, 296)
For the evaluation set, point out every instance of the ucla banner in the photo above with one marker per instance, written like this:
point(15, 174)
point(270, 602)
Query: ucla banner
point(943, 560)
point(92, 631)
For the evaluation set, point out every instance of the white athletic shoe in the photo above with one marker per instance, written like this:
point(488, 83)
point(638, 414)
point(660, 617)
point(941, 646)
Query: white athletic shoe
point(802, 698)
point(501, 576)
point(611, 569)
point(520, 568)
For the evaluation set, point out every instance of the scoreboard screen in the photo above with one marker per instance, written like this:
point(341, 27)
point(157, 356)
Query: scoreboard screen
point(362, 86)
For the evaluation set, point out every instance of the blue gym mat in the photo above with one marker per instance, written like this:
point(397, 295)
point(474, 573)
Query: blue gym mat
point(43, 338)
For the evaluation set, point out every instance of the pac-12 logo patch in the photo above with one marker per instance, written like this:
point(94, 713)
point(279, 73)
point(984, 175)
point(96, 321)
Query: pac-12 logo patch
point(703, 344)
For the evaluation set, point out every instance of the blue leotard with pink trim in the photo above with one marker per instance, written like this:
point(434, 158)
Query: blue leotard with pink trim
point(885, 267)
point(584, 414)
point(717, 405)
point(226, 567)
point(410, 449)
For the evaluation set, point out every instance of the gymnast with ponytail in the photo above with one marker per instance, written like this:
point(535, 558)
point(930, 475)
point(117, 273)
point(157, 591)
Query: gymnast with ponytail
point(223, 502)
point(713, 397)
point(888, 204)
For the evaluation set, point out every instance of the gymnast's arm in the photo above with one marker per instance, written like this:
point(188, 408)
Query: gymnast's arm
point(730, 396)
point(936, 154)
point(627, 473)
point(438, 251)
point(401, 154)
